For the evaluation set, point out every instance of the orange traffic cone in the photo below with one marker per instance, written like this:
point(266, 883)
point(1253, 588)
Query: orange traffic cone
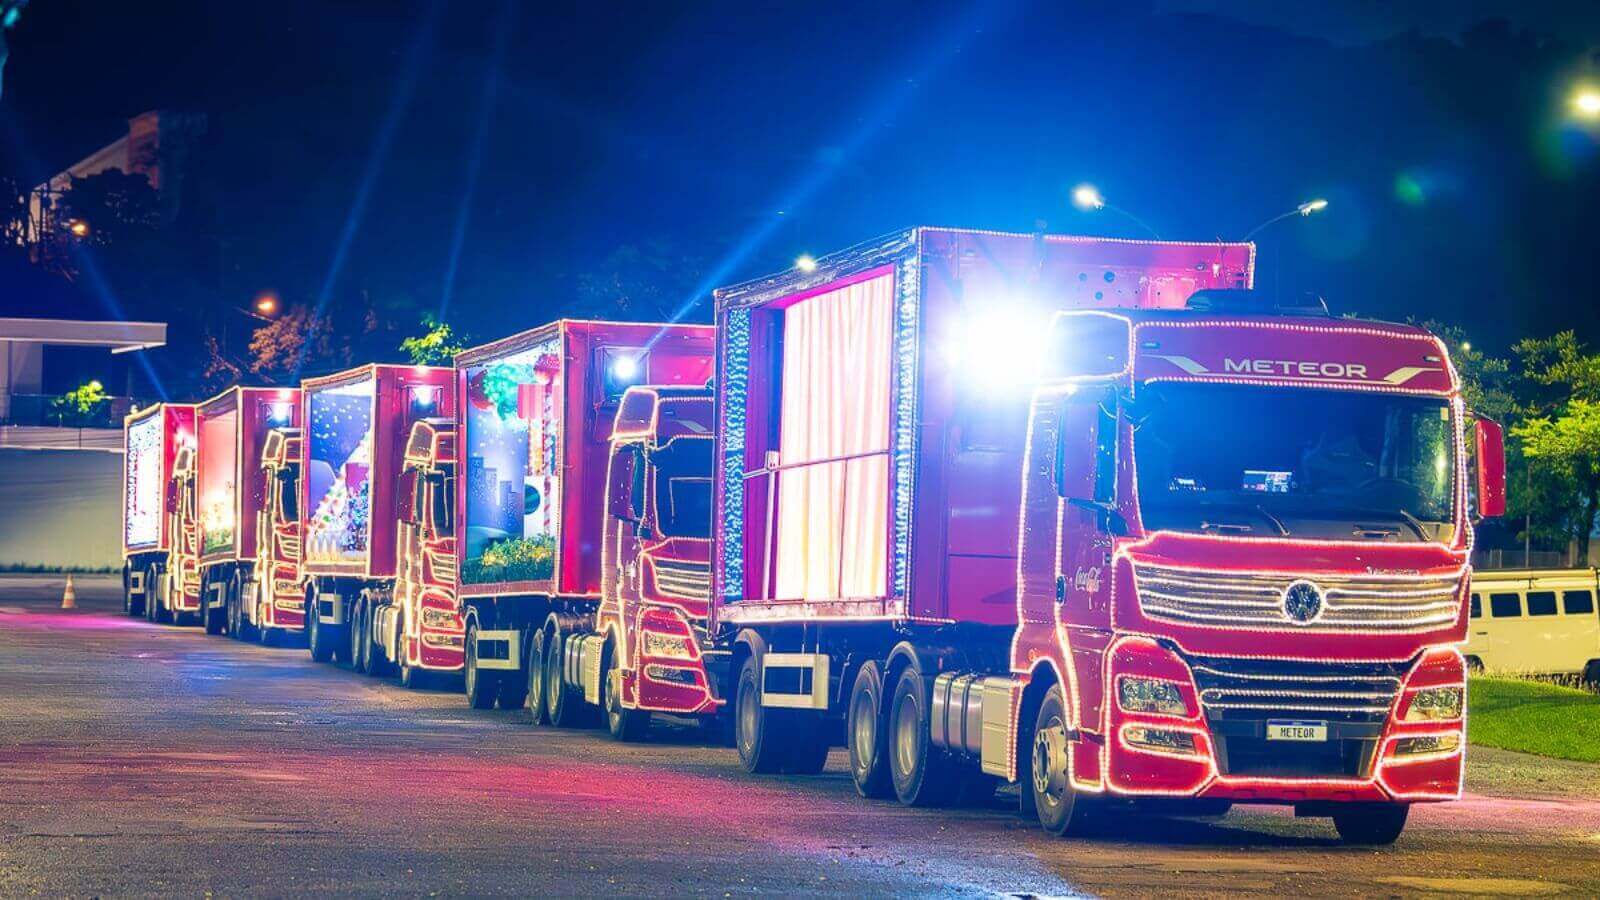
point(69, 597)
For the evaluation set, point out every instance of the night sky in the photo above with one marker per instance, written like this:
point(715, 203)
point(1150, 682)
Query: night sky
point(736, 136)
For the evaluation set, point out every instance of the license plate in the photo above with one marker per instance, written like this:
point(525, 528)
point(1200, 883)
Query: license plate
point(1297, 731)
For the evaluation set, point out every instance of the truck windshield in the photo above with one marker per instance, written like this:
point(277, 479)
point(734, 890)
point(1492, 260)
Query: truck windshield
point(683, 487)
point(1249, 460)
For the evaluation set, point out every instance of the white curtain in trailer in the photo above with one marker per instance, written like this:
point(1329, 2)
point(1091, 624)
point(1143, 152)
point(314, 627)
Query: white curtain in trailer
point(833, 488)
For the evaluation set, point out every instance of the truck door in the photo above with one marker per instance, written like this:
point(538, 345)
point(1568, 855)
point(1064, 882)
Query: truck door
point(1086, 482)
point(627, 510)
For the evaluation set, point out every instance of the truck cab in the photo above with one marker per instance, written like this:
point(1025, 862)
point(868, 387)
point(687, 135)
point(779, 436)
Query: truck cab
point(1243, 568)
point(421, 630)
point(656, 560)
point(276, 596)
point(179, 594)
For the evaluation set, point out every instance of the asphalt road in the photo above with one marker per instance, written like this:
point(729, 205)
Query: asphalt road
point(140, 759)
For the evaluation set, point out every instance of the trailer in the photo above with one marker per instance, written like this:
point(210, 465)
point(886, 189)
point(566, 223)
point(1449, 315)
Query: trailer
point(355, 498)
point(537, 442)
point(153, 531)
point(932, 532)
point(230, 491)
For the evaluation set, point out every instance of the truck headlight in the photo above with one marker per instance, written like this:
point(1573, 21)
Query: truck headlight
point(1435, 704)
point(1150, 695)
point(667, 646)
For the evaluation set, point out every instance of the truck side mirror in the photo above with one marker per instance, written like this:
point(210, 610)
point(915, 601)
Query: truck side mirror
point(172, 494)
point(1086, 457)
point(1490, 442)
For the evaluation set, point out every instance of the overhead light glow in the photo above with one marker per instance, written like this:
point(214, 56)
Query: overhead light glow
point(806, 263)
point(1311, 206)
point(624, 368)
point(1586, 102)
point(1000, 348)
point(1087, 196)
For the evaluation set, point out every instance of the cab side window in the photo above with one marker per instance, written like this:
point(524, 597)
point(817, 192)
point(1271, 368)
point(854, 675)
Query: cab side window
point(1541, 603)
point(1505, 606)
point(1475, 610)
point(1577, 603)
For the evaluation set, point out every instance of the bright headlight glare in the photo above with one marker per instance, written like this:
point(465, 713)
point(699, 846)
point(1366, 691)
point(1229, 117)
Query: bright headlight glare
point(1435, 704)
point(667, 646)
point(1150, 695)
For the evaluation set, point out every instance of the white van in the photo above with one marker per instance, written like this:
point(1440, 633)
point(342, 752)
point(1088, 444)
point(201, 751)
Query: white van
point(1535, 621)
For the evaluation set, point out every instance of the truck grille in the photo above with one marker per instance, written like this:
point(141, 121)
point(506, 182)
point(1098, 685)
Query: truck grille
point(1365, 603)
point(681, 578)
point(1239, 697)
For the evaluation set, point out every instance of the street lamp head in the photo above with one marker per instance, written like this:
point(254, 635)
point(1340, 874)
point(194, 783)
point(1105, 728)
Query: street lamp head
point(1586, 102)
point(266, 304)
point(1087, 197)
point(78, 227)
point(1312, 206)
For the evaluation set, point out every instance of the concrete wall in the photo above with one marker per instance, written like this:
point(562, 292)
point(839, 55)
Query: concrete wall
point(60, 508)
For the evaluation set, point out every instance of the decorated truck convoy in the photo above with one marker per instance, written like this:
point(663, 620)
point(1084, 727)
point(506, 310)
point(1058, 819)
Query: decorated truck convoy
point(1083, 515)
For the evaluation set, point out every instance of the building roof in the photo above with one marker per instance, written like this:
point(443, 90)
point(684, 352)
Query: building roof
point(119, 337)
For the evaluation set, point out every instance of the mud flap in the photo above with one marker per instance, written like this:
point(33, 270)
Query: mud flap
point(500, 649)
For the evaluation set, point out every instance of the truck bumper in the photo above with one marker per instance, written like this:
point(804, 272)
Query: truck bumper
point(1225, 755)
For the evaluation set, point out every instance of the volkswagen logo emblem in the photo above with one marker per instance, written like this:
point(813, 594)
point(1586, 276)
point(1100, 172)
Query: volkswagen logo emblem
point(1302, 602)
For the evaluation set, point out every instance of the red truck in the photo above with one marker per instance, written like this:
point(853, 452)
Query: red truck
point(157, 538)
point(230, 492)
point(578, 590)
point(1174, 546)
point(358, 511)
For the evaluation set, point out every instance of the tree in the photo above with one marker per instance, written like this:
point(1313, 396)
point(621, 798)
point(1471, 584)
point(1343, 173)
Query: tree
point(1560, 432)
point(84, 405)
point(438, 344)
point(297, 342)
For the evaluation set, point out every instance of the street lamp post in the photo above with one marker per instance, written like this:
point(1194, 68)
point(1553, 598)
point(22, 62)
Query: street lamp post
point(1304, 210)
point(1087, 197)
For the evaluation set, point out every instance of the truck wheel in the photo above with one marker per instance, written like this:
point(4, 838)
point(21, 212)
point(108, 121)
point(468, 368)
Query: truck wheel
point(481, 686)
point(564, 709)
point(921, 773)
point(1370, 824)
point(1591, 673)
point(513, 692)
point(759, 732)
point(231, 616)
point(152, 598)
point(378, 662)
point(626, 725)
point(538, 710)
point(866, 728)
point(809, 743)
point(318, 640)
point(357, 634)
point(1058, 806)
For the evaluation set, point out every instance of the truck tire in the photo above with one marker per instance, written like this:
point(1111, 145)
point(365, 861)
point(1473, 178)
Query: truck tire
point(378, 662)
point(481, 686)
point(359, 644)
point(318, 639)
point(513, 691)
point(1370, 824)
point(921, 773)
point(152, 600)
point(626, 725)
point(538, 710)
point(760, 734)
point(565, 709)
point(866, 726)
point(1059, 808)
point(1591, 673)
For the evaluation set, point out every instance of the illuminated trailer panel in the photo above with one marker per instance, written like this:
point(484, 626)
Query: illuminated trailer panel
point(232, 428)
point(873, 408)
point(357, 424)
